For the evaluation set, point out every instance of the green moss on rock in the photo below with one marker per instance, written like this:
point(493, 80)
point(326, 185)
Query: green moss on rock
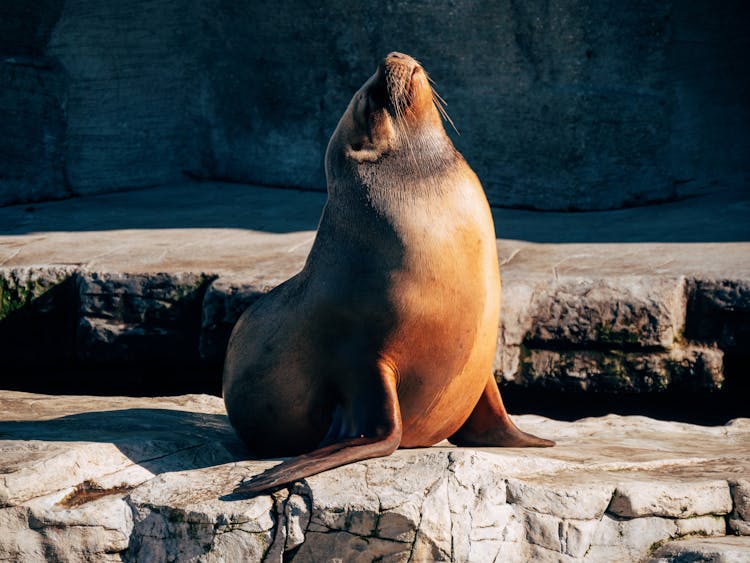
point(19, 288)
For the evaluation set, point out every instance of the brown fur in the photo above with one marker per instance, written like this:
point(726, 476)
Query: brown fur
point(386, 338)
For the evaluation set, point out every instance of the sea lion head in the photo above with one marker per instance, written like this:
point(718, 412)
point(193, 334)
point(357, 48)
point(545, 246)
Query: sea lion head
point(396, 112)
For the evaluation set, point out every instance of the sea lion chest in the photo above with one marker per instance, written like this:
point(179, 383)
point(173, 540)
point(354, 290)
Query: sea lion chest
point(441, 292)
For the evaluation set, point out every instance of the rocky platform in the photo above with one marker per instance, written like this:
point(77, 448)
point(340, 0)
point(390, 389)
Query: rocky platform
point(114, 478)
point(640, 300)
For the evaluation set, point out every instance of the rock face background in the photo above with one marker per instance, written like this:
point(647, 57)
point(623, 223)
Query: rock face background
point(562, 104)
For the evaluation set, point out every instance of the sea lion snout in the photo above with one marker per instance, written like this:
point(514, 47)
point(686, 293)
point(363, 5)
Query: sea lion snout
point(397, 72)
point(399, 63)
point(407, 89)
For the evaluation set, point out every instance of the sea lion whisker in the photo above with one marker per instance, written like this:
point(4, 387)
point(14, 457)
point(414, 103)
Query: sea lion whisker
point(439, 97)
point(440, 104)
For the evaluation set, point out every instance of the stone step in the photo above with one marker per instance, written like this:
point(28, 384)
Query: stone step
point(150, 479)
point(160, 276)
point(714, 550)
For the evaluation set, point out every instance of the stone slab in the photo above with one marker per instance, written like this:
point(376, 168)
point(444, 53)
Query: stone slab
point(716, 550)
point(684, 368)
point(129, 318)
point(113, 478)
point(639, 300)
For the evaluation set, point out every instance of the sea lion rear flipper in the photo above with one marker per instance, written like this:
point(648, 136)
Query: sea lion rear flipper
point(490, 425)
point(383, 439)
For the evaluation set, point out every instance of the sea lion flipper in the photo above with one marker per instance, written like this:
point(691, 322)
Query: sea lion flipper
point(384, 439)
point(490, 425)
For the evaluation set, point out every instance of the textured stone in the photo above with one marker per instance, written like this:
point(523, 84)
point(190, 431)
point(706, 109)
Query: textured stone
point(222, 306)
point(628, 311)
point(131, 109)
point(739, 520)
point(719, 311)
point(131, 317)
point(588, 105)
point(42, 530)
point(37, 313)
point(587, 502)
point(179, 517)
point(610, 371)
point(22, 288)
point(671, 500)
point(51, 446)
point(713, 550)
point(117, 478)
point(606, 334)
point(630, 538)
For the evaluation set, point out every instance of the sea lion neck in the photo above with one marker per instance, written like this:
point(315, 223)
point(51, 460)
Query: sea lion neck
point(418, 168)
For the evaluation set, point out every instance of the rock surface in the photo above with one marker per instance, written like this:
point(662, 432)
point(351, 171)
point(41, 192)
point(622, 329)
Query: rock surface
point(146, 284)
point(714, 550)
point(585, 105)
point(151, 318)
point(112, 478)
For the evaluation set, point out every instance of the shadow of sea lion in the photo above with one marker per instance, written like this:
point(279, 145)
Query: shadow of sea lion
point(148, 437)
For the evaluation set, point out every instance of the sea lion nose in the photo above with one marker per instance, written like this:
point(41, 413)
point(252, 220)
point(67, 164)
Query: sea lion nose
point(397, 68)
point(399, 58)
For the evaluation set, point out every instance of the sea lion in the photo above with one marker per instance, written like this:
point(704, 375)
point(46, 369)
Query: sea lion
point(386, 337)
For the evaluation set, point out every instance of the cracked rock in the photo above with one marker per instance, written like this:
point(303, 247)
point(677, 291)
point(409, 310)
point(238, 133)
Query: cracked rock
point(140, 317)
point(739, 520)
point(714, 550)
point(116, 478)
point(625, 311)
point(223, 304)
point(671, 499)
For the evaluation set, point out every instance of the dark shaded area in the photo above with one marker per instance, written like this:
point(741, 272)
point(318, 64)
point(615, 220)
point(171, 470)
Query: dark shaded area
point(145, 380)
point(721, 313)
point(723, 216)
point(132, 319)
point(42, 332)
point(707, 408)
point(117, 425)
point(25, 27)
point(192, 205)
point(169, 432)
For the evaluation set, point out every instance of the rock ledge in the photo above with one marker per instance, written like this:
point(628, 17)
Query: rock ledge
point(112, 479)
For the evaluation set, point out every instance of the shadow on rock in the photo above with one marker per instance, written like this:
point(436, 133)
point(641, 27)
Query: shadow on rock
point(159, 440)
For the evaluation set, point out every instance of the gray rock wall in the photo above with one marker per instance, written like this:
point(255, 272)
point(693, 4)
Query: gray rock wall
point(561, 104)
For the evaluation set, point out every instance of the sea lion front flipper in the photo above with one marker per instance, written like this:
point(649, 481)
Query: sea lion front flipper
point(489, 425)
point(383, 438)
